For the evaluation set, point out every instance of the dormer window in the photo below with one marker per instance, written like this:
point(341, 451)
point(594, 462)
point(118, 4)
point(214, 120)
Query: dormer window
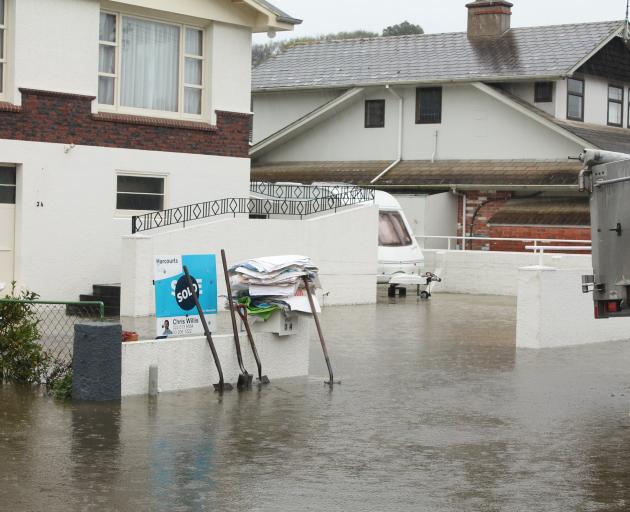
point(148, 66)
point(575, 99)
point(3, 45)
point(615, 106)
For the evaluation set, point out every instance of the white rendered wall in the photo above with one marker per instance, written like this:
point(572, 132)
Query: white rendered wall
point(527, 91)
point(231, 67)
point(342, 245)
point(430, 215)
point(553, 312)
point(187, 363)
point(492, 273)
point(74, 240)
point(474, 126)
point(595, 100)
point(275, 110)
point(55, 46)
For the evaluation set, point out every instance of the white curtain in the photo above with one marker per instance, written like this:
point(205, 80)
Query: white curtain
point(149, 75)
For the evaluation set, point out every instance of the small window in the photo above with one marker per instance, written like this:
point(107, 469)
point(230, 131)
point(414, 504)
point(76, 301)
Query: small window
point(140, 193)
point(375, 113)
point(615, 105)
point(3, 45)
point(392, 231)
point(575, 99)
point(543, 92)
point(428, 105)
point(7, 185)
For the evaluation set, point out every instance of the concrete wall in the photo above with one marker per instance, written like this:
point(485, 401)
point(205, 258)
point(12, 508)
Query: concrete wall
point(343, 245)
point(493, 273)
point(275, 110)
point(73, 238)
point(431, 215)
point(187, 363)
point(553, 312)
point(474, 126)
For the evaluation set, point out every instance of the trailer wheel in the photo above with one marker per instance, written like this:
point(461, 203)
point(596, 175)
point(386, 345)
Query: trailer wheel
point(425, 295)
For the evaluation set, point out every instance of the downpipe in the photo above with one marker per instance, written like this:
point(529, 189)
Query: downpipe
point(400, 135)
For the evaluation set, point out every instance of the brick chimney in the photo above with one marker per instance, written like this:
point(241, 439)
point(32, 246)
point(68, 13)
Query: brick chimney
point(488, 18)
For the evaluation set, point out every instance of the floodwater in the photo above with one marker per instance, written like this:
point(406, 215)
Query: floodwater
point(437, 411)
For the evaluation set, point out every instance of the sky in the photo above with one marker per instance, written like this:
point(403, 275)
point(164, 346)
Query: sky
point(326, 16)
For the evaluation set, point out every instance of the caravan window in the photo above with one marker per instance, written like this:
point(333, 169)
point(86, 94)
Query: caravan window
point(392, 231)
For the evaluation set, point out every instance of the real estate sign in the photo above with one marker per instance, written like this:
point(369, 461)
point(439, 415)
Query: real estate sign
point(175, 309)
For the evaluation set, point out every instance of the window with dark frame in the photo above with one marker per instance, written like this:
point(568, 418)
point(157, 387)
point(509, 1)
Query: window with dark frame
point(375, 113)
point(428, 105)
point(139, 193)
point(543, 92)
point(615, 105)
point(7, 185)
point(575, 99)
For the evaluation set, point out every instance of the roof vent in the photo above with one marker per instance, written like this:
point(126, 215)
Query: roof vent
point(488, 18)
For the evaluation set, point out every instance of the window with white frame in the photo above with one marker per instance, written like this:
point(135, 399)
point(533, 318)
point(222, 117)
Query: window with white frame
point(139, 192)
point(150, 65)
point(3, 45)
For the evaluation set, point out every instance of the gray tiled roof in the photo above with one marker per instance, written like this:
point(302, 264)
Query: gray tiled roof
point(530, 52)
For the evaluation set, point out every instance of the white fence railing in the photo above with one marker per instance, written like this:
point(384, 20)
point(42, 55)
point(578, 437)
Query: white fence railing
point(453, 242)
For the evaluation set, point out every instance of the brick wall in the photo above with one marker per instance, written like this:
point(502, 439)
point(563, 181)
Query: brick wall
point(487, 204)
point(67, 119)
point(480, 206)
point(551, 232)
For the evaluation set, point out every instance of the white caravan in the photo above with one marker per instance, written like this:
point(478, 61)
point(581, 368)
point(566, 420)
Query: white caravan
point(399, 255)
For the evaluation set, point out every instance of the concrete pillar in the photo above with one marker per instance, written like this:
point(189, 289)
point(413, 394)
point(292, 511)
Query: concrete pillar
point(136, 290)
point(553, 312)
point(96, 362)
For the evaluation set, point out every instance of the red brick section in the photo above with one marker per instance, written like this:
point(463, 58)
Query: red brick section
point(67, 119)
point(550, 232)
point(485, 204)
point(491, 203)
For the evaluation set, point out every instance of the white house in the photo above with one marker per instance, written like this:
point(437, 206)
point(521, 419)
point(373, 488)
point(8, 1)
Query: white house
point(113, 108)
point(472, 129)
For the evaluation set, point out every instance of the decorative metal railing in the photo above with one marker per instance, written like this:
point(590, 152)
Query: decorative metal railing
point(306, 192)
point(329, 198)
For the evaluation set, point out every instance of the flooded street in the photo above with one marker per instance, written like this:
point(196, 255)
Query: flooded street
point(438, 411)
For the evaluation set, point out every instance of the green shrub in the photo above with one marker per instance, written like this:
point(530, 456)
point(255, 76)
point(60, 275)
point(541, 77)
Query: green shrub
point(59, 381)
point(22, 358)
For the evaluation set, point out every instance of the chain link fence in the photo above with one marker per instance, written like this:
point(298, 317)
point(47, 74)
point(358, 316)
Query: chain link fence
point(56, 322)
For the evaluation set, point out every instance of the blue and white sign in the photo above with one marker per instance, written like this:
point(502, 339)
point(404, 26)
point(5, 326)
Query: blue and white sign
point(175, 309)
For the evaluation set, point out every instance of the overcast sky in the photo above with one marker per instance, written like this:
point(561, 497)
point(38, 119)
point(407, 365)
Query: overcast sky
point(325, 16)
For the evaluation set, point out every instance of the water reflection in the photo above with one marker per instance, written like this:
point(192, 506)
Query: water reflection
point(437, 411)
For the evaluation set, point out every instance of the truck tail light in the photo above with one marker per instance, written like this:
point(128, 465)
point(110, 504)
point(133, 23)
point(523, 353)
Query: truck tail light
point(613, 306)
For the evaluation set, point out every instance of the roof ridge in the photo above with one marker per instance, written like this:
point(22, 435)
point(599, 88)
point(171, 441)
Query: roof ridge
point(434, 34)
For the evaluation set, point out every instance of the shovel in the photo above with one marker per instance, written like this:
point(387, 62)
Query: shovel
point(221, 386)
point(242, 312)
point(245, 378)
point(332, 381)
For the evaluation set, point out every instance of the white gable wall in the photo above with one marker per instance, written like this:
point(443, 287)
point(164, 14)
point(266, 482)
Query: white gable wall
point(474, 126)
point(269, 118)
